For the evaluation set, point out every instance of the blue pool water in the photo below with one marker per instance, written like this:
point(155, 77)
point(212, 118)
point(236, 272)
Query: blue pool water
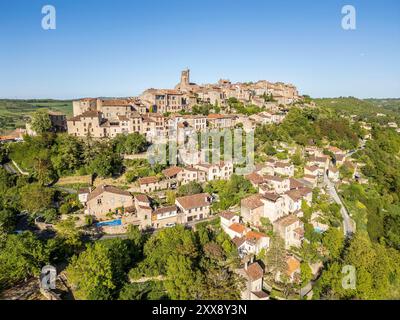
point(319, 230)
point(112, 223)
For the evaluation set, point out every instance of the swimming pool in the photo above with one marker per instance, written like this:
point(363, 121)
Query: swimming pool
point(318, 230)
point(111, 223)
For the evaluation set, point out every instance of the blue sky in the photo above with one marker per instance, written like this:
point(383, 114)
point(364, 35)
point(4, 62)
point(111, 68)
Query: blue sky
point(120, 48)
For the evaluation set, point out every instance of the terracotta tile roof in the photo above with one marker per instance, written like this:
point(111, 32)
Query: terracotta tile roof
point(282, 164)
point(254, 271)
point(165, 209)
point(194, 201)
point(84, 190)
point(311, 168)
point(295, 184)
point(254, 178)
point(218, 116)
point(252, 202)
point(238, 228)
point(238, 241)
point(254, 236)
point(227, 215)
point(148, 180)
point(287, 220)
point(130, 209)
point(320, 159)
point(142, 198)
point(86, 114)
point(260, 294)
point(172, 171)
point(271, 196)
point(110, 189)
point(298, 194)
point(274, 178)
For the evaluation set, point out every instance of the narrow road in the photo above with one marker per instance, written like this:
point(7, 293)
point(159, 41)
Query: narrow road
point(146, 279)
point(348, 223)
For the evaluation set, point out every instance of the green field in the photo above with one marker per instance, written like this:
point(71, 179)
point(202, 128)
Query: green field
point(14, 113)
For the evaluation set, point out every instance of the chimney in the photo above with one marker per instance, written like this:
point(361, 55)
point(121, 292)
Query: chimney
point(246, 264)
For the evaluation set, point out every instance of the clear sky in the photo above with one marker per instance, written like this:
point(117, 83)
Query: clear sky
point(120, 48)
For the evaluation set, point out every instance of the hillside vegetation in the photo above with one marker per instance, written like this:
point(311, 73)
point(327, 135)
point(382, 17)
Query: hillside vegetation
point(14, 113)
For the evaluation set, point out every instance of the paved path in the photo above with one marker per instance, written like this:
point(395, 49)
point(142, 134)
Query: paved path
point(145, 279)
point(348, 223)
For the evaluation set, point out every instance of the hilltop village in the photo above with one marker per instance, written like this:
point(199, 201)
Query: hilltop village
point(268, 220)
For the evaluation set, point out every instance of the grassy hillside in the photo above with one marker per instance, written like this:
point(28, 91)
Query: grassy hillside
point(349, 105)
point(388, 104)
point(14, 113)
point(367, 109)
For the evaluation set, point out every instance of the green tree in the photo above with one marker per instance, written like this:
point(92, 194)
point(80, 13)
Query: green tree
point(7, 220)
point(21, 256)
point(306, 273)
point(40, 121)
point(67, 230)
point(36, 198)
point(333, 241)
point(275, 258)
point(97, 273)
point(182, 283)
point(190, 188)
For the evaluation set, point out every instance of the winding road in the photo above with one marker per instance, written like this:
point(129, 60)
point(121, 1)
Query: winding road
point(348, 223)
point(349, 226)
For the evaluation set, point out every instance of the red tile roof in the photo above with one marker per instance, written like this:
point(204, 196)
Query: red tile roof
point(194, 201)
point(110, 189)
point(254, 271)
point(254, 178)
point(238, 228)
point(148, 180)
point(252, 202)
point(171, 172)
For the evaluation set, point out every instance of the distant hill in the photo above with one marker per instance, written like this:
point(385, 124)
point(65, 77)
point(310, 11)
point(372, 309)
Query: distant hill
point(364, 107)
point(388, 104)
point(14, 113)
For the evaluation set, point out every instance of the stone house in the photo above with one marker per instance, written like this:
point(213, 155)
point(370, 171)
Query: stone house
point(228, 218)
point(294, 198)
point(253, 274)
point(219, 171)
point(165, 217)
point(106, 199)
point(290, 229)
point(194, 207)
point(252, 209)
point(277, 184)
point(149, 184)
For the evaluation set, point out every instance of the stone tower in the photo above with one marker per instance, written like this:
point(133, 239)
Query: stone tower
point(185, 78)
